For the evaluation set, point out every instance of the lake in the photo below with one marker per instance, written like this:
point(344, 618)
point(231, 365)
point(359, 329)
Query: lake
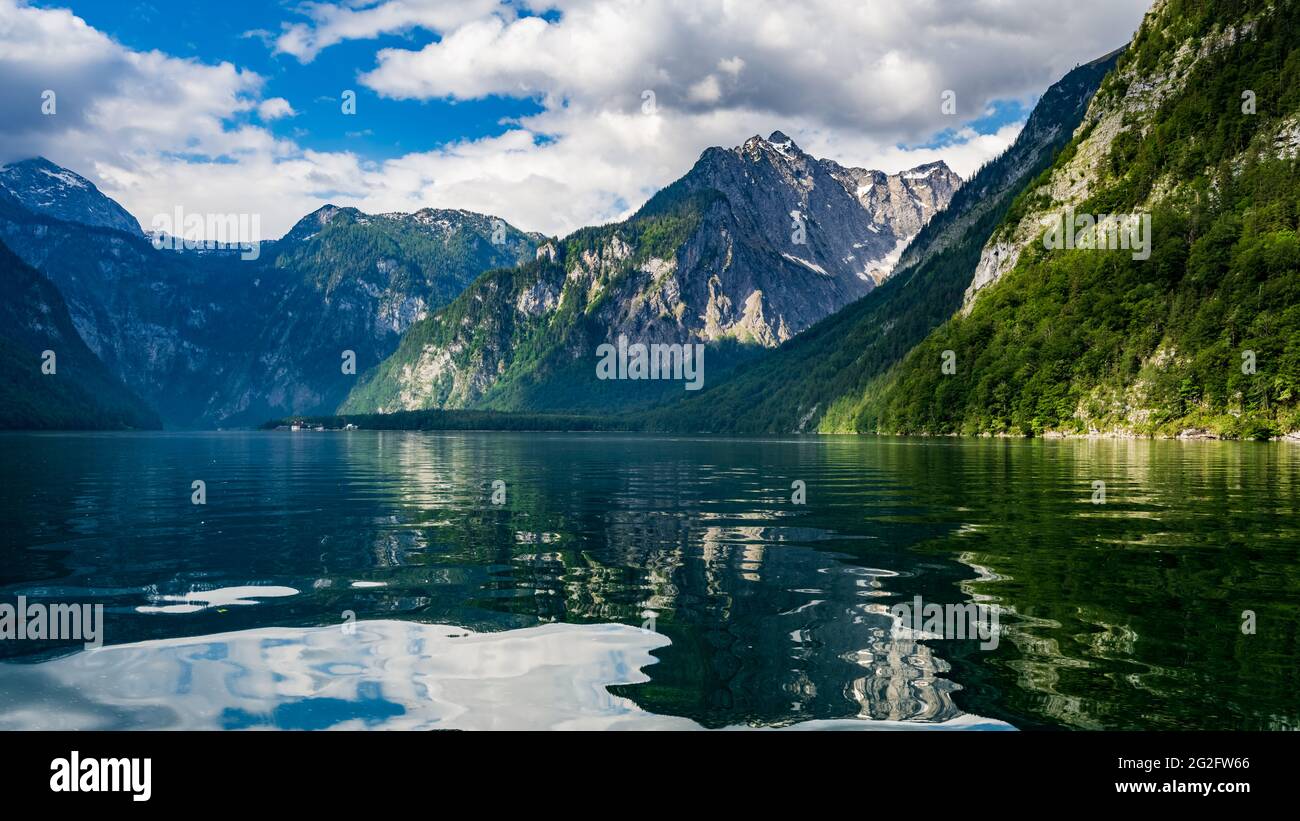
point(531, 580)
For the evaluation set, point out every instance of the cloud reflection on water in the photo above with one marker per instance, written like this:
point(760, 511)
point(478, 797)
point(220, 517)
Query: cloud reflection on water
point(382, 675)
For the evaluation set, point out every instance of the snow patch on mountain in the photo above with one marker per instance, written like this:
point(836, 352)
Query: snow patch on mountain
point(811, 266)
point(46, 189)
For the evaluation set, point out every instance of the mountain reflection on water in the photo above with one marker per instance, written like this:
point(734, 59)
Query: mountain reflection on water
point(763, 612)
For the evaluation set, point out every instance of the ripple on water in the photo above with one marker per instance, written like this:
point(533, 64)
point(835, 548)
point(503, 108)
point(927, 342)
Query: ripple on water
point(372, 674)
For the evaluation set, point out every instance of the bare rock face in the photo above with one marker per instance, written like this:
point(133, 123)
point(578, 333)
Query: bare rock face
point(837, 231)
point(901, 205)
point(793, 240)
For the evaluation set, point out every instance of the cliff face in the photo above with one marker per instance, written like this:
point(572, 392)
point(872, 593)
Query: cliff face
point(346, 281)
point(48, 377)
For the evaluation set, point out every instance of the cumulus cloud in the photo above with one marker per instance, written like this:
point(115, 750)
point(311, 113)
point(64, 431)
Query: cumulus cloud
point(333, 23)
point(849, 80)
point(110, 100)
point(274, 108)
point(880, 66)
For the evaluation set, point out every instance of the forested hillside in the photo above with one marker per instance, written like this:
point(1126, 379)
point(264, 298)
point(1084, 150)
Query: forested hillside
point(1199, 127)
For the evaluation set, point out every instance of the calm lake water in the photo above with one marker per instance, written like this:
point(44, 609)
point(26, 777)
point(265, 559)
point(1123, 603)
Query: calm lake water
point(367, 579)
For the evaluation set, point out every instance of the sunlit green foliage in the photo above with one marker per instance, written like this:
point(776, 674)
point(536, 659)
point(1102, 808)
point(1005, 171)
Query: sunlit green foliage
point(1078, 340)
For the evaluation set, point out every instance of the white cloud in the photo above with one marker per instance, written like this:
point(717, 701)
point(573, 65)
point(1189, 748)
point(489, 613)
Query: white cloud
point(707, 90)
point(111, 100)
point(876, 66)
point(732, 65)
point(333, 23)
point(848, 80)
point(600, 166)
point(274, 108)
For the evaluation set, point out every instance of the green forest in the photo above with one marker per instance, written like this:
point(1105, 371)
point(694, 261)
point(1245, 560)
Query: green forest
point(1083, 340)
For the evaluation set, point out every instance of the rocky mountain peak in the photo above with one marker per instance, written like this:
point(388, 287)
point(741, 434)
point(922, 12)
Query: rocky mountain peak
point(927, 170)
point(776, 148)
point(784, 145)
point(42, 164)
point(45, 188)
point(753, 245)
point(862, 219)
point(312, 223)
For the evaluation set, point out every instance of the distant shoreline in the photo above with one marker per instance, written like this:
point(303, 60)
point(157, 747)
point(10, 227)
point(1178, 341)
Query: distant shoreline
point(487, 421)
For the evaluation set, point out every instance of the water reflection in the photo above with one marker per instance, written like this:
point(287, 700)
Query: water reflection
point(372, 675)
point(196, 600)
point(769, 613)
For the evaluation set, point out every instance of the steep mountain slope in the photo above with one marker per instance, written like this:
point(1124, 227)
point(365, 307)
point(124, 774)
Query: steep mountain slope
point(44, 188)
point(210, 339)
point(1199, 128)
point(343, 281)
point(79, 392)
point(792, 388)
point(134, 307)
point(752, 246)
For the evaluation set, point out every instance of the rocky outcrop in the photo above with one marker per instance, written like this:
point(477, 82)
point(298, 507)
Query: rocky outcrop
point(1133, 106)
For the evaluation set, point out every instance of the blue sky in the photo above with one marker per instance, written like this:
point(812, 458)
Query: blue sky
point(532, 111)
point(391, 128)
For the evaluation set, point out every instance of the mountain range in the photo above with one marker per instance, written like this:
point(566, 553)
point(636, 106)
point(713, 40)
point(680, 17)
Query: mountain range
point(753, 245)
point(824, 298)
point(1199, 339)
point(213, 340)
point(209, 339)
